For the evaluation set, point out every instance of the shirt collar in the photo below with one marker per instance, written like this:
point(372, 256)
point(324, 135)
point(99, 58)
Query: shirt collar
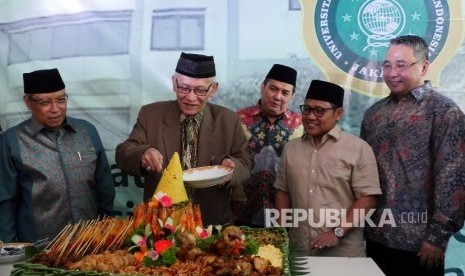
point(420, 92)
point(417, 93)
point(197, 117)
point(335, 133)
point(256, 110)
point(35, 127)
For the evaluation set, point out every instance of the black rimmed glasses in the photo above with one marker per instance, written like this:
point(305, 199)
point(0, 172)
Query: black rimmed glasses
point(318, 111)
point(197, 91)
point(46, 103)
point(399, 67)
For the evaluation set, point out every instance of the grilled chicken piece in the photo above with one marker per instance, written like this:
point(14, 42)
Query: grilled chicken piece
point(261, 265)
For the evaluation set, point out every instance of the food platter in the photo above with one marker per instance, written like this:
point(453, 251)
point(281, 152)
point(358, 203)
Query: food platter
point(276, 236)
point(163, 237)
point(272, 236)
point(207, 176)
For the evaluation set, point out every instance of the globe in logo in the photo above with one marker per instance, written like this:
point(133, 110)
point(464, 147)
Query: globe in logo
point(380, 20)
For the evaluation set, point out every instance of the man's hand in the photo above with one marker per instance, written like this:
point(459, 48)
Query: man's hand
point(430, 255)
point(323, 240)
point(228, 163)
point(152, 160)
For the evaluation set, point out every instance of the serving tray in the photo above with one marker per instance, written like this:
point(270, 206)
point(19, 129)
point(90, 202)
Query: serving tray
point(263, 236)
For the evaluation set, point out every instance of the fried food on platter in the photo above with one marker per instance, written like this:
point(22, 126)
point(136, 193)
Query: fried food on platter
point(190, 259)
point(211, 265)
point(84, 238)
point(264, 236)
point(105, 262)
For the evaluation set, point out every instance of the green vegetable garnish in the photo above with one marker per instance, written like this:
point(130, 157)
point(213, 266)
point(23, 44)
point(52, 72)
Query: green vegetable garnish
point(204, 244)
point(166, 258)
point(251, 247)
point(139, 231)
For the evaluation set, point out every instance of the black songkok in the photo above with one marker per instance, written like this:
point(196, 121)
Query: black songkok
point(196, 66)
point(326, 91)
point(283, 73)
point(43, 81)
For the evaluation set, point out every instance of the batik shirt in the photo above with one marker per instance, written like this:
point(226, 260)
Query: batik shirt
point(419, 144)
point(51, 178)
point(266, 141)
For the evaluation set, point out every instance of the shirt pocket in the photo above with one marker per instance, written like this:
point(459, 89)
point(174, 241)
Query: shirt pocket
point(87, 156)
point(334, 174)
point(81, 166)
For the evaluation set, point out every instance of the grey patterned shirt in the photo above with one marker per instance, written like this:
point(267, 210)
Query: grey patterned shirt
point(51, 178)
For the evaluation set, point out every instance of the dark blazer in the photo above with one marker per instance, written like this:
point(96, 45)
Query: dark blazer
point(158, 125)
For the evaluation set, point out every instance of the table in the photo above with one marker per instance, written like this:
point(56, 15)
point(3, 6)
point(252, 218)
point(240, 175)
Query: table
point(326, 266)
point(5, 269)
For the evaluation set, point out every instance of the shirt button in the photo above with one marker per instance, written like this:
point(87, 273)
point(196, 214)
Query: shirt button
point(311, 191)
point(313, 171)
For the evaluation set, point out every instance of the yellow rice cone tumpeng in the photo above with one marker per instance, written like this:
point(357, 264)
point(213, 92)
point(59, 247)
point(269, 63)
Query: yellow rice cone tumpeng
point(171, 181)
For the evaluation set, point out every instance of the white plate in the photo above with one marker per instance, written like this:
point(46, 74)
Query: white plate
point(5, 259)
point(208, 176)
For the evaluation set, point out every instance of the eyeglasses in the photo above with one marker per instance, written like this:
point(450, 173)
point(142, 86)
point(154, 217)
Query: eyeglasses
point(197, 91)
point(318, 111)
point(399, 67)
point(46, 103)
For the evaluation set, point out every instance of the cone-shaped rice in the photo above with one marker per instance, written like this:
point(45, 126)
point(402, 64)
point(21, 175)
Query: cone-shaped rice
point(171, 181)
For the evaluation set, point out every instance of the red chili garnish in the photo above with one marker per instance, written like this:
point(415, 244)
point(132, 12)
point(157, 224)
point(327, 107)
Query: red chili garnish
point(162, 245)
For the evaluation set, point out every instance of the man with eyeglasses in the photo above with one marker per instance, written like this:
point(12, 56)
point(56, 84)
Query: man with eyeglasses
point(269, 125)
point(53, 168)
point(418, 137)
point(202, 133)
point(326, 170)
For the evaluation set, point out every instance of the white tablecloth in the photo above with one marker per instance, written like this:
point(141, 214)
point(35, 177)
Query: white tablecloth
point(329, 266)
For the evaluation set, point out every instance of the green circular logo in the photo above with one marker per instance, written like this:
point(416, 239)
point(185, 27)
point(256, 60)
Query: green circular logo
point(355, 36)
